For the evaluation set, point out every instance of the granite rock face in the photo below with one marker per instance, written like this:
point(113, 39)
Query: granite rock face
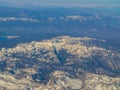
point(62, 63)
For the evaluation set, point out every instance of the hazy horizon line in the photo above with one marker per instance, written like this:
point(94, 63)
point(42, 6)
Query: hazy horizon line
point(64, 5)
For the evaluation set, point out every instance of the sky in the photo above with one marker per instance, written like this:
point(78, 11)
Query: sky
point(28, 3)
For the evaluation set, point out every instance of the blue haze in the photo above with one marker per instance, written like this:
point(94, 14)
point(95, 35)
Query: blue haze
point(28, 3)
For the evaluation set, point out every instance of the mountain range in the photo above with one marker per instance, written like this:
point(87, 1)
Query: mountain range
point(60, 63)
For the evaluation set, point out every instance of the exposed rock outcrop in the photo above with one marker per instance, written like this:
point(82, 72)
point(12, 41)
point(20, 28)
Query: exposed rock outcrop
point(62, 63)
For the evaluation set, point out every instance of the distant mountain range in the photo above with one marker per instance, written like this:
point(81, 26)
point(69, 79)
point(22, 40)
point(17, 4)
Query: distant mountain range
point(46, 23)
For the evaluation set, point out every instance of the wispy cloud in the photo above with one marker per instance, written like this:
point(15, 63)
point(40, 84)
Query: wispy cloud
point(18, 19)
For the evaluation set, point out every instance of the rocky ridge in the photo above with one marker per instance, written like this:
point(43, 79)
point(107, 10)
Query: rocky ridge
point(62, 63)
